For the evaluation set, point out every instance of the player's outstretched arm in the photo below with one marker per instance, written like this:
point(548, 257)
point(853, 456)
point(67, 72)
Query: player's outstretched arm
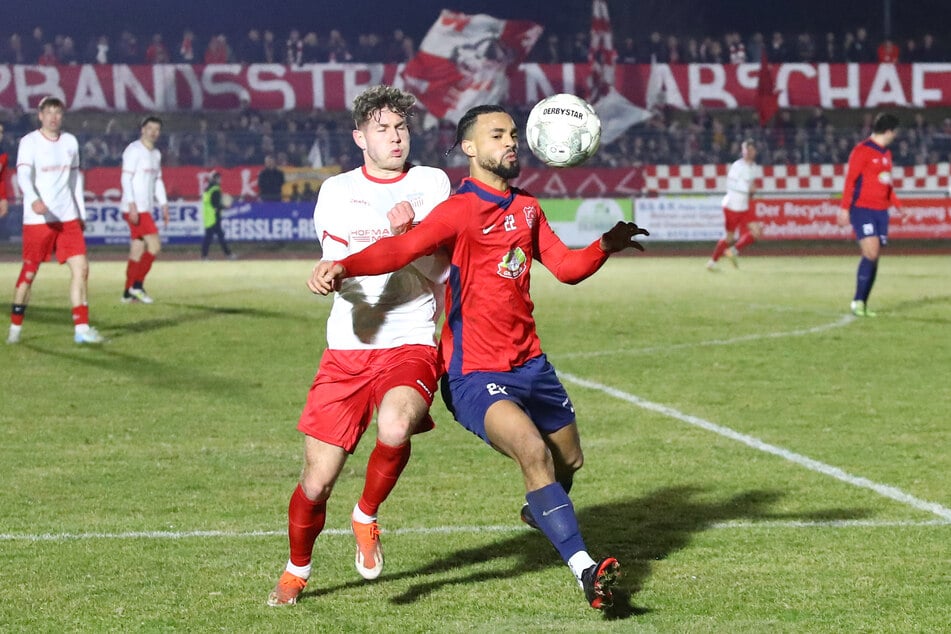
point(621, 236)
point(325, 278)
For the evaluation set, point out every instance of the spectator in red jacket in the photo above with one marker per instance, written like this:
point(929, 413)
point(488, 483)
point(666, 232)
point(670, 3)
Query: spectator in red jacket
point(888, 52)
point(157, 52)
point(217, 51)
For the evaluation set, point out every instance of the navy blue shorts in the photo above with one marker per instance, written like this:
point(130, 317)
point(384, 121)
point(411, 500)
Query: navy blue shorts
point(534, 387)
point(868, 223)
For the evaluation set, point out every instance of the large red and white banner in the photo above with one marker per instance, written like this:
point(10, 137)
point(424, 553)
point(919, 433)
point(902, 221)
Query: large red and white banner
point(169, 87)
point(465, 60)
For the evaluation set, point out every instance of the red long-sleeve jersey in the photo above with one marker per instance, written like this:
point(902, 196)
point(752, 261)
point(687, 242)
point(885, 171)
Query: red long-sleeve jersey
point(868, 182)
point(493, 237)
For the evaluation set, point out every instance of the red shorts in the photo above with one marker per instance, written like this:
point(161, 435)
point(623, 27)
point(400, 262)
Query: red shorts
point(65, 238)
point(146, 226)
point(738, 220)
point(350, 384)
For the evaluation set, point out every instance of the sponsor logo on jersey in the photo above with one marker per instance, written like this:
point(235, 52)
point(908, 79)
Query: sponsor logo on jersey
point(513, 264)
point(530, 214)
point(369, 235)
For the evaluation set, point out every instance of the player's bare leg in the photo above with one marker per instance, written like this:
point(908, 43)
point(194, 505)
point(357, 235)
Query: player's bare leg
point(79, 278)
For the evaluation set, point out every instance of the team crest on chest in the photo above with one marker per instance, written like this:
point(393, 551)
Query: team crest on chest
point(530, 213)
point(416, 200)
point(513, 264)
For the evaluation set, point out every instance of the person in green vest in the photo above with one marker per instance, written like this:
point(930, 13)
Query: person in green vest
point(211, 205)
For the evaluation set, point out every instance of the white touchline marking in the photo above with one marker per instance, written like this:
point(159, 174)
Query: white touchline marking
point(447, 530)
point(804, 461)
point(839, 323)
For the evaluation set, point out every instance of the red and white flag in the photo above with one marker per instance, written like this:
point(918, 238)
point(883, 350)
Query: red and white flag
point(767, 99)
point(616, 111)
point(464, 59)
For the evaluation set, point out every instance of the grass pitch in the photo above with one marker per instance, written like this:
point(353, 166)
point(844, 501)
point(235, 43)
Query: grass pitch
point(756, 459)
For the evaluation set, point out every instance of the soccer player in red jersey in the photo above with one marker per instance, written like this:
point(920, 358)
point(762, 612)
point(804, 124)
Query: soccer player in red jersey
point(866, 199)
point(381, 348)
point(498, 383)
point(54, 215)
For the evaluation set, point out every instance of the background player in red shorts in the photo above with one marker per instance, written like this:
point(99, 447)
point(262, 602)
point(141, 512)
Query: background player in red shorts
point(740, 226)
point(53, 217)
point(498, 383)
point(381, 352)
point(142, 189)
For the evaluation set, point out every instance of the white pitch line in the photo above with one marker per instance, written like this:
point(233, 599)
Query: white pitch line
point(839, 323)
point(803, 461)
point(446, 530)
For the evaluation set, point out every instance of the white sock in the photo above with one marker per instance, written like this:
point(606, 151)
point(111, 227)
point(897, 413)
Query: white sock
point(301, 571)
point(15, 329)
point(579, 562)
point(361, 517)
point(82, 328)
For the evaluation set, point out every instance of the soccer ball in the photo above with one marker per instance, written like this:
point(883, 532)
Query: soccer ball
point(227, 200)
point(563, 130)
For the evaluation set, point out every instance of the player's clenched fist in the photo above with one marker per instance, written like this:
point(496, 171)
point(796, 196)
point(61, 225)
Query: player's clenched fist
point(325, 277)
point(401, 217)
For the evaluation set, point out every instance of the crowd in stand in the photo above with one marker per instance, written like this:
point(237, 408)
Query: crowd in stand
point(314, 139)
point(257, 46)
point(303, 47)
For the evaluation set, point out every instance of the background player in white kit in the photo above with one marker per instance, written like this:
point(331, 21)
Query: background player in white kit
point(54, 217)
point(142, 189)
point(381, 350)
point(741, 228)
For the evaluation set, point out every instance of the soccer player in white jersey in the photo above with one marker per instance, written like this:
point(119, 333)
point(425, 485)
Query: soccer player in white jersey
point(142, 189)
point(54, 217)
point(741, 228)
point(381, 352)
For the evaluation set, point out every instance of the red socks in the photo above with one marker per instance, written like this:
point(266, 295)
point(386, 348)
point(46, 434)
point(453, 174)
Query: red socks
point(135, 272)
point(719, 250)
point(130, 273)
point(745, 240)
point(81, 315)
point(383, 470)
point(145, 265)
point(305, 520)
